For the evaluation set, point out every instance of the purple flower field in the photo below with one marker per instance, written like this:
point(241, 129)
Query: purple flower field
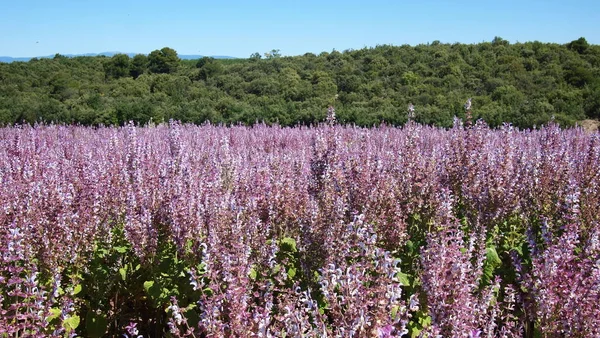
point(328, 231)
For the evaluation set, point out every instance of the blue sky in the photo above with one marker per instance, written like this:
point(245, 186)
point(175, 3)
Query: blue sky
point(241, 27)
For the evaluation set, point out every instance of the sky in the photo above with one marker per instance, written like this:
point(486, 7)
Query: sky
point(241, 27)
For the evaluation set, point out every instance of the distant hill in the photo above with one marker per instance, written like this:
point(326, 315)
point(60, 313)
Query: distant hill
point(9, 59)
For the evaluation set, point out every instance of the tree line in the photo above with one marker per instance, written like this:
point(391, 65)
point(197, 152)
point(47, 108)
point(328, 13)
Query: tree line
point(526, 84)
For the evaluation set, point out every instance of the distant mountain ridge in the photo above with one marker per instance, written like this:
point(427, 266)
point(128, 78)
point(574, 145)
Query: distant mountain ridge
point(9, 59)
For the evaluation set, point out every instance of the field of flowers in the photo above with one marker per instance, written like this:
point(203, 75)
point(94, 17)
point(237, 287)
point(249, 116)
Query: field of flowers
point(328, 231)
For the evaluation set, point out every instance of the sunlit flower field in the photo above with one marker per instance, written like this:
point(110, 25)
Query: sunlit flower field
point(326, 231)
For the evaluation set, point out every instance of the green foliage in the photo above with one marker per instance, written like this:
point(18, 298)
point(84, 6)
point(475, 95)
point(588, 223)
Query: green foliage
point(96, 324)
point(118, 66)
point(580, 45)
point(116, 287)
point(163, 61)
point(492, 261)
point(208, 68)
point(523, 83)
point(139, 65)
point(420, 321)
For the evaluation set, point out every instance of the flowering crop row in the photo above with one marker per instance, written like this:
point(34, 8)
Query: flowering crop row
point(208, 231)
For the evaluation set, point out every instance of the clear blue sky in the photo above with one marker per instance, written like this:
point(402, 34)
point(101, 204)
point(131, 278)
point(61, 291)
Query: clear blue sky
point(241, 27)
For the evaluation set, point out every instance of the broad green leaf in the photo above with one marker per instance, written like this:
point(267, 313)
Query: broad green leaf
point(120, 249)
point(123, 272)
point(77, 289)
point(492, 261)
point(492, 255)
point(403, 278)
point(291, 273)
point(253, 274)
point(71, 323)
point(54, 313)
point(166, 293)
point(154, 291)
point(410, 246)
point(95, 324)
point(425, 321)
point(288, 244)
point(395, 311)
point(148, 285)
point(192, 317)
point(414, 332)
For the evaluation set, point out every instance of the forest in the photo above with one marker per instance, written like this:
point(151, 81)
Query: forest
point(525, 84)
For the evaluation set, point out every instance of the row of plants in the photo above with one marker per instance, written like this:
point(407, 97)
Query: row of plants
point(209, 231)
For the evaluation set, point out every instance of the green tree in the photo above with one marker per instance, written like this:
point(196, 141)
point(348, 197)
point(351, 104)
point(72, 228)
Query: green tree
point(290, 83)
point(255, 56)
point(118, 66)
point(62, 86)
point(580, 45)
point(208, 67)
point(498, 41)
point(163, 61)
point(139, 65)
point(578, 74)
point(273, 54)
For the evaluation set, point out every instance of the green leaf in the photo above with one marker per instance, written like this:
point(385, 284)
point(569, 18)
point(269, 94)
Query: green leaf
point(291, 273)
point(395, 311)
point(102, 253)
point(166, 293)
point(410, 246)
point(123, 272)
point(253, 274)
point(419, 322)
point(288, 244)
point(71, 323)
point(492, 261)
point(154, 291)
point(54, 313)
point(425, 321)
point(492, 256)
point(403, 278)
point(192, 317)
point(77, 289)
point(414, 332)
point(95, 324)
point(148, 285)
point(120, 249)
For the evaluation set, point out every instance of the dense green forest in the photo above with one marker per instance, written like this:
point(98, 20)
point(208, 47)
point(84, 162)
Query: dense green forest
point(526, 84)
